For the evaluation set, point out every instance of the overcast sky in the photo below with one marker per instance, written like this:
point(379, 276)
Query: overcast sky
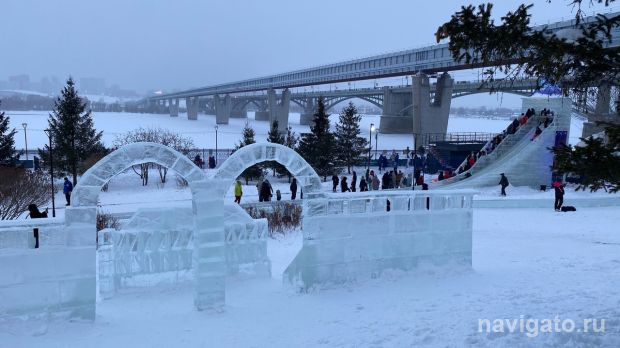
point(160, 44)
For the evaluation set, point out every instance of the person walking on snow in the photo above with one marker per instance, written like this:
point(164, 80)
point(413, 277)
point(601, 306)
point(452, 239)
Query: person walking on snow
point(363, 185)
point(238, 192)
point(293, 188)
point(67, 188)
point(344, 187)
point(334, 182)
point(353, 181)
point(559, 195)
point(375, 182)
point(504, 183)
point(266, 191)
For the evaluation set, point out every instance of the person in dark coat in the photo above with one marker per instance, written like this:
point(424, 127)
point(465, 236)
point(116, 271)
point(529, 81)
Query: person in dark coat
point(67, 188)
point(35, 213)
point(363, 185)
point(440, 176)
point(198, 161)
point(334, 182)
point(503, 181)
point(266, 191)
point(293, 188)
point(353, 181)
point(344, 186)
point(559, 195)
point(385, 181)
point(537, 132)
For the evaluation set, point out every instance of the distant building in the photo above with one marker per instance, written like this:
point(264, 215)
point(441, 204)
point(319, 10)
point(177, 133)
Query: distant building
point(19, 82)
point(92, 85)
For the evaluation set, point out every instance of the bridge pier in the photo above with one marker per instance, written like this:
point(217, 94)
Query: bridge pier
point(222, 109)
point(238, 109)
point(602, 112)
point(407, 113)
point(397, 114)
point(307, 117)
point(191, 103)
point(279, 108)
point(262, 114)
point(431, 117)
point(173, 106)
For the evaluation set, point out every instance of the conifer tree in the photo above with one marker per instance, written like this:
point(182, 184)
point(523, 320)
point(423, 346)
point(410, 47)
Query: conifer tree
point(597, 163)
point(74, 135)
point(254, 171)
point(274, 136)
point(351, 145)
point(318, 147)
point(7, 140)
point(291, 139)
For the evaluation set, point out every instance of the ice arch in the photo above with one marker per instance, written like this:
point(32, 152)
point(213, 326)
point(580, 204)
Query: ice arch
point(81, 216)
point(207, 203)
point(252, 154)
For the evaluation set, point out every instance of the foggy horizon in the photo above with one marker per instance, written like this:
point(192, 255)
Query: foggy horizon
point(168, 46)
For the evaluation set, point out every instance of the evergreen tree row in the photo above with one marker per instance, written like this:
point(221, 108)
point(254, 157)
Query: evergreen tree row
point(329, 152)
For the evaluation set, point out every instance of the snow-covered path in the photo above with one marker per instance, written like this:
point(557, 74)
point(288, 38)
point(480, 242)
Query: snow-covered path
point(531, 262)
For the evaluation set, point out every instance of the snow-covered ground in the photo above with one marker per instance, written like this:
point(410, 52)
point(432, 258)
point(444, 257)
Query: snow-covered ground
point(534, 263)
point(202, 131)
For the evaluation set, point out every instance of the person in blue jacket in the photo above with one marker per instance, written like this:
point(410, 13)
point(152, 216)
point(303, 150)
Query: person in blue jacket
point(67, 189)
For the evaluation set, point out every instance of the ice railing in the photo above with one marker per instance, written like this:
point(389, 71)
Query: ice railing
point(135, 252)
point(378, 201)
point(18, 234)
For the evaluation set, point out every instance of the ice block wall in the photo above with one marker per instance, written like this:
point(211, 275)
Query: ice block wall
point(354, 236)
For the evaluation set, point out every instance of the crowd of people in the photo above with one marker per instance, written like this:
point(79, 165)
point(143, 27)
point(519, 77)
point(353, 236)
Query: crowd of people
point(373, 181)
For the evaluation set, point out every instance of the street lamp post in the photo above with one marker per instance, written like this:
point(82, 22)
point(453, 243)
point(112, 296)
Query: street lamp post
point(216, 145)
point(376, 141)
point(25, 138)
point(372, 128)
point(48, 132)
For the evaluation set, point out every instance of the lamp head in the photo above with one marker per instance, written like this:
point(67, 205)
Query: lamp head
point(372, 127)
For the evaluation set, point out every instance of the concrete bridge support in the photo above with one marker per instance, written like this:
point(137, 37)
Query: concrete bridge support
point(262, 114)
point(307, 117)
point(602, 112)
point(240, 110)
point(397, 112)
point(431, 117)
point(279, 108)
point(407, 113)
point(173, 106)
point(223, 107)
point(160, 107)
point(191, 103)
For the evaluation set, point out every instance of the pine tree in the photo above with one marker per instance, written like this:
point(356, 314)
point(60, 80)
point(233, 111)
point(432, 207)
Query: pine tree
point(7, 141)
point(254, 171)
point(582, 57)
point(597, 163)
point(74, 136)
point(318, 147)
point(291, 139)
point(274, 136)
point(351, 146)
